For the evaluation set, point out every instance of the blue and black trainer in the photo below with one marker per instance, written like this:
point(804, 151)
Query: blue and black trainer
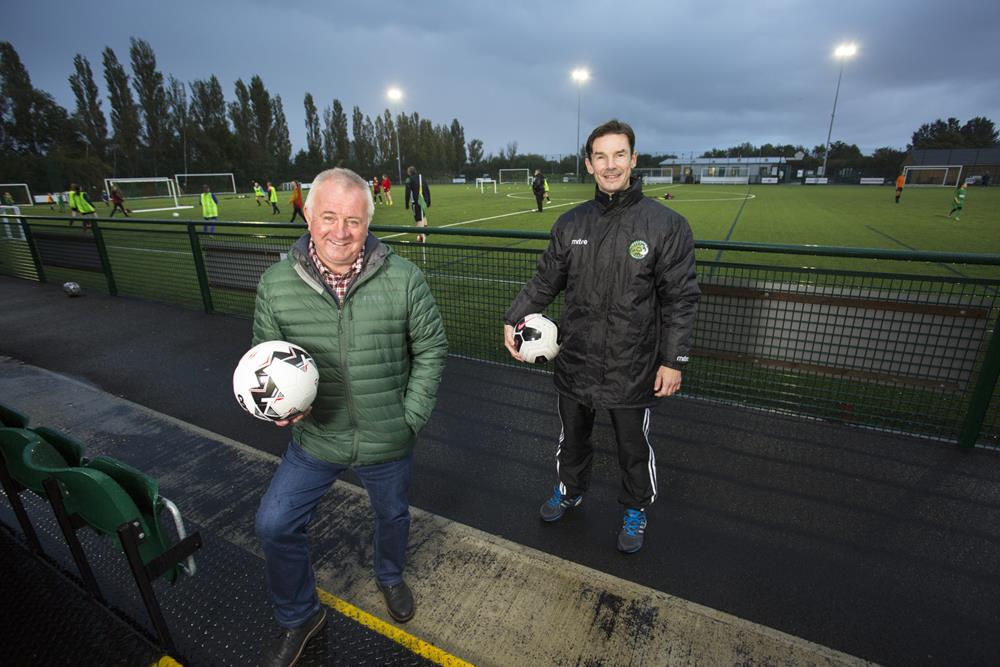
point(553, 508)
point(633, 528)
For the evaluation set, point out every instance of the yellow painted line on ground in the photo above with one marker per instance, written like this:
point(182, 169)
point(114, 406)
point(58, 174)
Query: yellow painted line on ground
point(166, 661)
point(418, 646)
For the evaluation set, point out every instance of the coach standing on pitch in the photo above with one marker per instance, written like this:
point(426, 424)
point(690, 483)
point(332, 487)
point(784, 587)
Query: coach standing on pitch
point(627, 266)
point(370, 322)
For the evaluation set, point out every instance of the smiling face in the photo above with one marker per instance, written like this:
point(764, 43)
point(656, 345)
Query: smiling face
point(337, 214)
point(611, 162)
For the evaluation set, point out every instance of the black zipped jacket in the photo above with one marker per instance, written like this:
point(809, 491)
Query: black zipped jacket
point(627, 265)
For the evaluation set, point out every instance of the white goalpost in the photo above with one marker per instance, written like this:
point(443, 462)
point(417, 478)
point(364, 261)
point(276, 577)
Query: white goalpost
point(219, 182)
point(481, 184)
point(652, 175)
point(947, 175)
point(10, 225)
point(515, 177)
point(147, 188)
point(20, 194)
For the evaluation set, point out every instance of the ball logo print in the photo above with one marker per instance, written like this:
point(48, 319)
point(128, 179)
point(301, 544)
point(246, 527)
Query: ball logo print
point(275, 380)
point(536, 338)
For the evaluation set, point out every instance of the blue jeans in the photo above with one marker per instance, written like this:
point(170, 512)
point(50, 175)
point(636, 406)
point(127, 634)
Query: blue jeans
point(288, 507)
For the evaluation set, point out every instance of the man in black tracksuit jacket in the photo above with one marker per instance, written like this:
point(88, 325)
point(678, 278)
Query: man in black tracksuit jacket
point(538, 188)
point(626, 263)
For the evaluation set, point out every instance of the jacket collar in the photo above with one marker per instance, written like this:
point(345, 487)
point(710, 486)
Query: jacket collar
point(607, 203)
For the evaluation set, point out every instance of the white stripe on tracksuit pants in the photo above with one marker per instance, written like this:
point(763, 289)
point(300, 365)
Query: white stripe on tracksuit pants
point(636, 459)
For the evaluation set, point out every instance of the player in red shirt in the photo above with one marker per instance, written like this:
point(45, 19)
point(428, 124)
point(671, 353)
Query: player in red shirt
point(386, 186)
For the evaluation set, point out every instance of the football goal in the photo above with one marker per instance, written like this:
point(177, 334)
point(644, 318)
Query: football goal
point(191, 184)
point(147, 188)
point(652, 175)
point(15, 194)
point(938, 175)
point(515, 177)
point(483, 183)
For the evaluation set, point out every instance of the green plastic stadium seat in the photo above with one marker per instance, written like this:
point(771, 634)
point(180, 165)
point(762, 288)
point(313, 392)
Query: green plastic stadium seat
point(11, 418)
point(46, 457)
point(107, 493)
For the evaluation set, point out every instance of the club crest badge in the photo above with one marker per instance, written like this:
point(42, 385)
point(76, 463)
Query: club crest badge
point(638, 249)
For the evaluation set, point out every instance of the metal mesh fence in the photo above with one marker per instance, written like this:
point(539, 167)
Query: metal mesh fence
point(888, 349)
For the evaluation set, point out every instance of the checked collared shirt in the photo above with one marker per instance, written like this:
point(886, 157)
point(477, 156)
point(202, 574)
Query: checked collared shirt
point(338, 283)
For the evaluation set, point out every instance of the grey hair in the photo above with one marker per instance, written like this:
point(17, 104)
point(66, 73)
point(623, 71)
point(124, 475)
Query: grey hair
point(343, 177)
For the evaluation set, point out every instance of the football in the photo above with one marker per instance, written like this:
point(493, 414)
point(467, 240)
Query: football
point(176, 214)
point(275, 380)
point(536, 338)
point(72, 289)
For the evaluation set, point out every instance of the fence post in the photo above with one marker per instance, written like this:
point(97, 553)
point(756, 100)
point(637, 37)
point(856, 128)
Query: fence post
point(35, 257)
point(102, 252)
point(199, 267)
point(983, 393)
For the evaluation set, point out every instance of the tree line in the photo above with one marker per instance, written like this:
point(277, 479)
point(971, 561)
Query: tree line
point(887, 162)
point(159, 126)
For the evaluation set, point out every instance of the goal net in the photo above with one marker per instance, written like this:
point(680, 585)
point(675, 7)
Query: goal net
point(515, 177)
point(223, 183)
point(483, 183)
point(15, 194)
point(937, 175)
point(655, 174)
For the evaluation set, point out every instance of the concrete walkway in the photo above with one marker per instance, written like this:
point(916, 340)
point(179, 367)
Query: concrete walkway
point(482, 598)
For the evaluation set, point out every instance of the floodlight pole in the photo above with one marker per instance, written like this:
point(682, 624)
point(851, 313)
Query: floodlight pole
point(580, 76)
point(842, 53)
point(826, 153)
point(579, 94)
point(396, 95)
point(399, 157)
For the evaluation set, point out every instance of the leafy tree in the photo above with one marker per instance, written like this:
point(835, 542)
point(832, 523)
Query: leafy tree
point(281, 145)
point(149, 88)
point(979, 132)
point(178, 125)
point(124, 116)
point(32, 122)
point(261, 116)
point(475, 152)
point(211, 139)
point(457, 153)
point(314, 135)
point(336, 145)
point(88, 107)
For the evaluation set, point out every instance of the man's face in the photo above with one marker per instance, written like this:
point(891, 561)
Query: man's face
point(338, 223)
point(611, 162)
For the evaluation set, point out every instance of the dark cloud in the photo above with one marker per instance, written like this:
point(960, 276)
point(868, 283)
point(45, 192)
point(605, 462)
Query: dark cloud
point(687, 75)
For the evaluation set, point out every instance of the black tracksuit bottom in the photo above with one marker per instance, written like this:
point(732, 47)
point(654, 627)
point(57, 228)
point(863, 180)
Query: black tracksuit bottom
point(636, 458)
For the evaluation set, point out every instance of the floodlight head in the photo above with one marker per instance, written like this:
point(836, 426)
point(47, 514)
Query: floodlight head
point(845, 50)
point(580, 75)
point(394, 94)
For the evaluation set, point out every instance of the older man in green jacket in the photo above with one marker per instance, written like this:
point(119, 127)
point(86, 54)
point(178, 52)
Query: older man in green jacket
point(369, 321)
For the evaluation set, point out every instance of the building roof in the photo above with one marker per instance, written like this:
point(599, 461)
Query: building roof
point(954, 156)
point(722, 160)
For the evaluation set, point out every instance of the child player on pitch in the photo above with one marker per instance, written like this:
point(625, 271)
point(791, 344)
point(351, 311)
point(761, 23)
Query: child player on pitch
point(958, 201)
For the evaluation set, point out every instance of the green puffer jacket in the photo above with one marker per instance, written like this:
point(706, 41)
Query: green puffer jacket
point(380, 355)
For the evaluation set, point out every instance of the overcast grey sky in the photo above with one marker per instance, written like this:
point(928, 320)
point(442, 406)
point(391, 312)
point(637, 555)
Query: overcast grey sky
point(687, 75)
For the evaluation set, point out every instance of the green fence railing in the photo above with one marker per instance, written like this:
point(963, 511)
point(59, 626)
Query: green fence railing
point(888, 339)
